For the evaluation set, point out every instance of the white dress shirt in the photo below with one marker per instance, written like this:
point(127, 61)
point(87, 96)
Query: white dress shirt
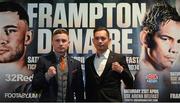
point(100, 62)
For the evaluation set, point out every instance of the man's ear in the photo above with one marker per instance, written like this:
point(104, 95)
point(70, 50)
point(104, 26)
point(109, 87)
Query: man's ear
point(93, 40)
point(28, 38)
point(143, 36)
point(110, 41)
point(69, 43)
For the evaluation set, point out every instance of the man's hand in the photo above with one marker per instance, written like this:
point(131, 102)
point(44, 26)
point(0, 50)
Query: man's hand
point(117, 67)
point(51, 71)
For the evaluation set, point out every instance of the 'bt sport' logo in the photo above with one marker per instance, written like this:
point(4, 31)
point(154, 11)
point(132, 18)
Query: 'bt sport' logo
point(152, 78)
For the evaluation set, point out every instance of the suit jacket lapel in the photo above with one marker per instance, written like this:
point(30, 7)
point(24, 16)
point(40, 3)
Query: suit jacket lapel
point(54, 63)
point(70, 69)
point(91, 62)
point(108, 65)
point(53, 59)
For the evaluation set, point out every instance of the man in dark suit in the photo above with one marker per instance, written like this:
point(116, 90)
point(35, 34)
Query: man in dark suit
point(54, 80)
point(105, 70)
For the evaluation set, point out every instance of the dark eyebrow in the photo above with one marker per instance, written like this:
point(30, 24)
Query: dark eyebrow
point(10, 26)
point(165, 36)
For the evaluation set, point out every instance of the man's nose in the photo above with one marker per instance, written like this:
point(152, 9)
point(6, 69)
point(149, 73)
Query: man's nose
point(174, 48)
point(3, 38)
point(60, 43)
point(3, 42)
point(99, 40)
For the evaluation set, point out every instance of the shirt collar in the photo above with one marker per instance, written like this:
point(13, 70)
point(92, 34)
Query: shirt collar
point(105, 54)
point(58, 55)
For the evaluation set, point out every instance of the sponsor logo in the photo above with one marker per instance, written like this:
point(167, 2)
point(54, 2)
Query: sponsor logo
point(152, 78)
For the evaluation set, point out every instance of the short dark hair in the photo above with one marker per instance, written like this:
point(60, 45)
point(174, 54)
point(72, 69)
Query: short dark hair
point(99, 29)
point(159, 14)
point(60, 31)
point(15, 7)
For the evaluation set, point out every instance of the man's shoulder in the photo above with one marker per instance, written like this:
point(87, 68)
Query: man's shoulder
point(48, 56)
point(72, 60)
point(90, 57)
point(117, 55)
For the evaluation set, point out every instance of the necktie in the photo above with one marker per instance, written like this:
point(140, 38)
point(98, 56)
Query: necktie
point(62, 64)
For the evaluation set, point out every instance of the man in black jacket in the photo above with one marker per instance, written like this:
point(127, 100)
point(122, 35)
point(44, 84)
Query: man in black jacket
point(105, 70)
point(57, 76)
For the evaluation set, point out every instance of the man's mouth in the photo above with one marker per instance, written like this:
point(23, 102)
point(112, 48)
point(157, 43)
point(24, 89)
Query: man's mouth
point(61, 47)
point(3, 50)
point(170, 58)
point(100, 45)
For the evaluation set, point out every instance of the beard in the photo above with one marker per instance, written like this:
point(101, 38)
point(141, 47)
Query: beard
point(12, 56)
